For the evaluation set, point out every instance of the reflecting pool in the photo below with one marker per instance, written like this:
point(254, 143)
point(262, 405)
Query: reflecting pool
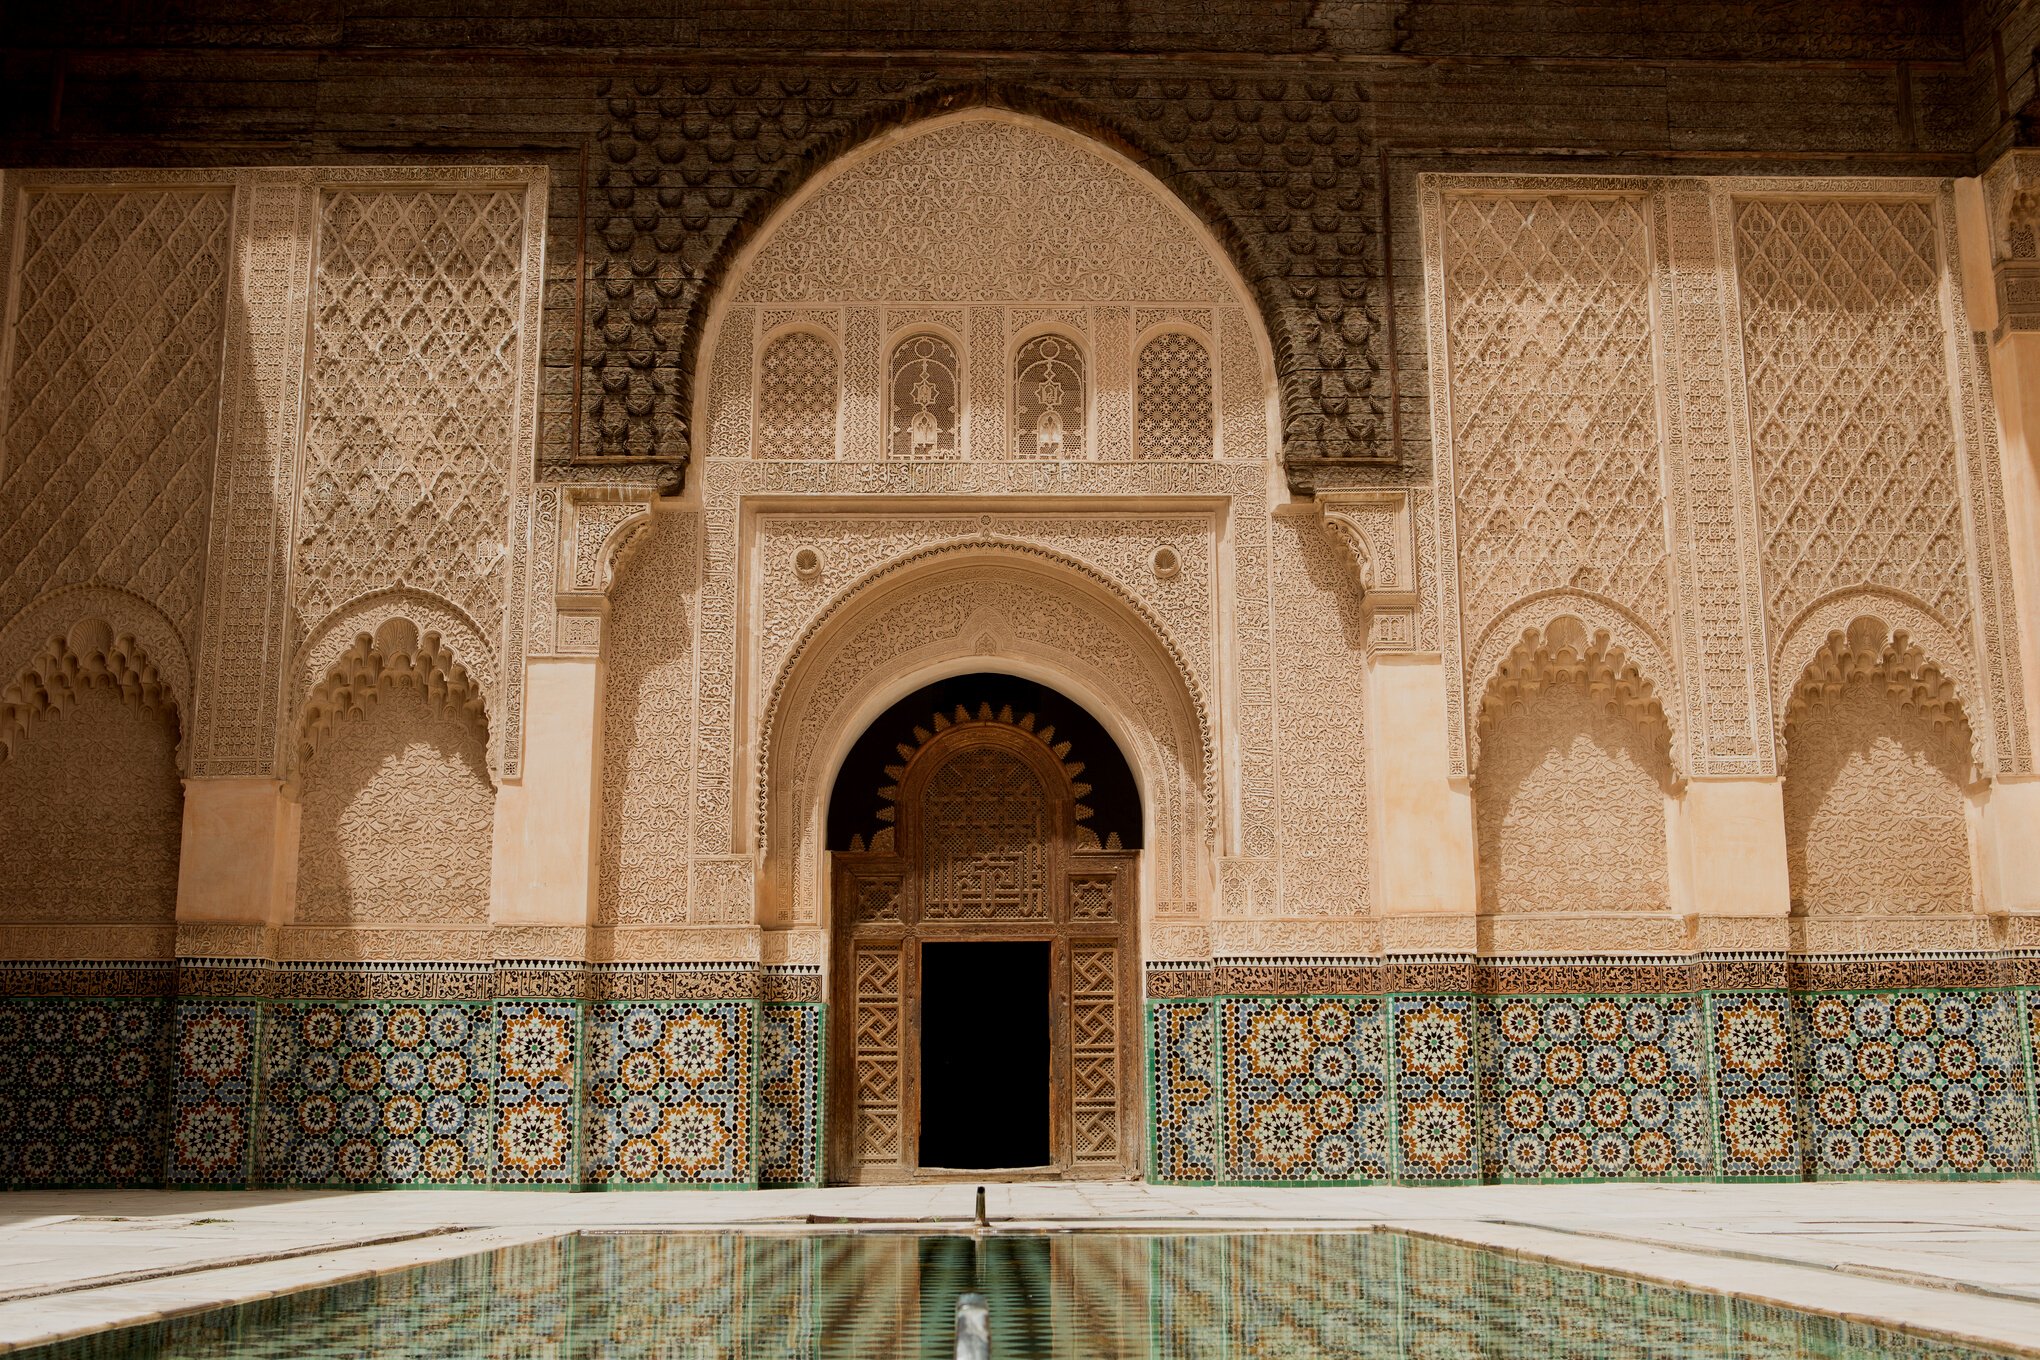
point(1262, 1296)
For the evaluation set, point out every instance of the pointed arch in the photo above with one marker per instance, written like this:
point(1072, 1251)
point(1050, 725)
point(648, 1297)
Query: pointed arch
point(979, 252)
point(963, 607)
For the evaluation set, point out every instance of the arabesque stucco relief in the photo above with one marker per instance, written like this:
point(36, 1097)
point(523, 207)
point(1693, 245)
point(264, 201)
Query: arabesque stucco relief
point(1695, 647)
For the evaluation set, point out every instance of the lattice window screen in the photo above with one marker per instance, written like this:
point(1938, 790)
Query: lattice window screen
point(797, 397)
point(1094, 1042)
point(1048, 399)
point(1173, 386)
point(988, 824)
point(878, 1020)
point(923, 381)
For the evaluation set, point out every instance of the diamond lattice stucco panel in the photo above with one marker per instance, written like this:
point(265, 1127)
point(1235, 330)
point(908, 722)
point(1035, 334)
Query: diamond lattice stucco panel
point(412, 403)
point(113, 395)
point(1554, 401)
point(1845, 359)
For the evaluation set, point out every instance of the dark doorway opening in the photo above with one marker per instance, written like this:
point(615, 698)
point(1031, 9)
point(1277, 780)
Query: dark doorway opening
point(984, 1054)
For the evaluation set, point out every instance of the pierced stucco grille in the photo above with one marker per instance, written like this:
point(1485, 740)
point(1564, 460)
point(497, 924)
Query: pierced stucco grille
point(797, 397)
point(923, 386)
point(1174, 389)
point(1048, 399)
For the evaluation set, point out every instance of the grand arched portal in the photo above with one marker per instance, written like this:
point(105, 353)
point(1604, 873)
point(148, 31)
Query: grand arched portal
point(985, 956)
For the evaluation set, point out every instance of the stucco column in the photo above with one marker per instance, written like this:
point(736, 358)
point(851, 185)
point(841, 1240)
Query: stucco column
point(547, 824)
point(544, 870)
point(1423, 819)
point(2001, 287)
point(1728, 849)
point(1421, 830)
point(237, 865)
point(2011, 807)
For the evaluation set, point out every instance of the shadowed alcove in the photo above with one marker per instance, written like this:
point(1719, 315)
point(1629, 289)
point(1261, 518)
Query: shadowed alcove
point(984, 833)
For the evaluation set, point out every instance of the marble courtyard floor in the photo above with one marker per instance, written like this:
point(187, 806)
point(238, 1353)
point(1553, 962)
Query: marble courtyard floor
point(1954, 1259)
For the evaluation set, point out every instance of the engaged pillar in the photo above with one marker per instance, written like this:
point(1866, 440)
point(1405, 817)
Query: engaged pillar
point(237, 867)
point(1997, 219)
point(1422, 829)
point(544, 875)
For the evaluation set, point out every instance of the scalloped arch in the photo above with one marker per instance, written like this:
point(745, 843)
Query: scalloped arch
point(975, 605)
point(1837, 612)
point(100, 631)
point(460, 657)
point(1622, 633)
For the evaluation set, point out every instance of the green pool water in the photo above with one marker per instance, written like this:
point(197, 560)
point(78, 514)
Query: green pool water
point(1204, 1297)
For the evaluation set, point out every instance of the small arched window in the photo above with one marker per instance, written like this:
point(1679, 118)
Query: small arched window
point(1173, 398)
point(1048, 399)
point(797, 397)
point(923, 382)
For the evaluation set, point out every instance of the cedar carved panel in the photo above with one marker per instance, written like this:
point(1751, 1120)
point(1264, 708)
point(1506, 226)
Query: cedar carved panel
point(987, 843)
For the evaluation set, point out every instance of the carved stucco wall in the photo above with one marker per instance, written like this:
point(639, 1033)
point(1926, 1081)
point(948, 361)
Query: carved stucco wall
point(93, 811)
point(1826, 451)
point(1543, 299)
point(419, 394)
point(974, 607)
point(648, 726)
point(1117, 263)
point(970, 182)
point(1127, 266)
point(1860, 439)
point(112, 395)
point(1879, 755)
point(159, 424)
point(1569, 798)
point(411, 408)
point(1876, 462)
point(1569, 810)
point(1320, 689)
point(1553, 402)
point(115, 313)
point(1875, 817)
point(1845, 357)
point(397, 816)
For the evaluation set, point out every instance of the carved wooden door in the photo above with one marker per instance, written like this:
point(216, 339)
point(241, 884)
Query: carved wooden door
point(987, 844)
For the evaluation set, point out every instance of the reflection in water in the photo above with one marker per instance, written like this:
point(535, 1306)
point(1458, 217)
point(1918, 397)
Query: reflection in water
point(1208, 1297)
